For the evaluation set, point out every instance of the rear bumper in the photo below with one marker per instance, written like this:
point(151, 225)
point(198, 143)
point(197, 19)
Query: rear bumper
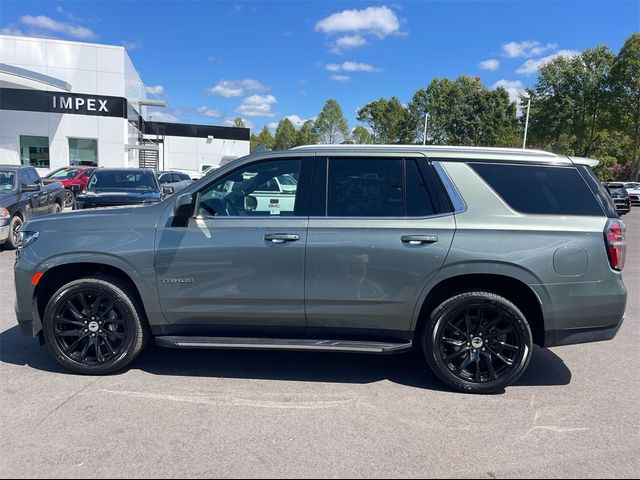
point(584, 312)
point(556, 338)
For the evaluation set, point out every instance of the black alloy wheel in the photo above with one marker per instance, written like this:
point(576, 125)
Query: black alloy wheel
point(478, 342)
point(95, 325)
point(89, 328)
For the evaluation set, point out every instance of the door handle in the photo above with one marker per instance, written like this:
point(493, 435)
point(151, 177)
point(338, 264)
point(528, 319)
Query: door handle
point(281, 237)
point(419, 239)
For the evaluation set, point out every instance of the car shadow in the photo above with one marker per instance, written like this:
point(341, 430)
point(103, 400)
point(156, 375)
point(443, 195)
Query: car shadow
point(545, 369)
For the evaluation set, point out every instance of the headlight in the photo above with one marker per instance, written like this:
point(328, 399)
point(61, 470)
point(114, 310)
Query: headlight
point(27, 238)
point(4, 213)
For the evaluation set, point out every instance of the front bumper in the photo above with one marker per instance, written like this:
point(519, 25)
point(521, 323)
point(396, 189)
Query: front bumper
point(25, 306)
point(4, 233)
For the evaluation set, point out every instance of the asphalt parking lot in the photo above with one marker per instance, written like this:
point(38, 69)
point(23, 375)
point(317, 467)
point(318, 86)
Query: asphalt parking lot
point(575, 412)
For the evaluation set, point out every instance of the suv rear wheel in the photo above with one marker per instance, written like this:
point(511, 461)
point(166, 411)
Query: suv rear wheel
point(477, 342)
point(93, 326)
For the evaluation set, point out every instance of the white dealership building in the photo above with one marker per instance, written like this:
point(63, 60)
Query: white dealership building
point(70, 103)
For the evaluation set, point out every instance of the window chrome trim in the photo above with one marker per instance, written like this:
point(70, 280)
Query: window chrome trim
point(459, 206)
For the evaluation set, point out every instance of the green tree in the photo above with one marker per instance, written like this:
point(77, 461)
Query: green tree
point(239, 123)
point(263, 138)
point(331, 126)
point(389, 121)
point(625, 87)
point(570, 102)
point(361, 135)
point(285, 135)
point(306, 134)
point(463, 112)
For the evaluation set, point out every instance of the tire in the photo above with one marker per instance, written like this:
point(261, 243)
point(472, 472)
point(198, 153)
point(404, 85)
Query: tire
point(92, 337)
point(481, 353)
point(69, 198)
point(57, 208)
point(14, 226)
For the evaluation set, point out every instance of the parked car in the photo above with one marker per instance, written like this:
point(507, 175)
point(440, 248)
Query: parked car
point(73, 179)
point(633, 188)
point(110, 187)
point(469, 255)
point(175, 180)
point(22, 197)
point(620, 196)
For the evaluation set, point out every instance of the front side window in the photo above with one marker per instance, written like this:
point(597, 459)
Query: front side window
point(253, 191)
point(365, 188)
point(83, 151)
point(34, 151)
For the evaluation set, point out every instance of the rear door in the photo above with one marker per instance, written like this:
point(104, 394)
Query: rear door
point(380, 229)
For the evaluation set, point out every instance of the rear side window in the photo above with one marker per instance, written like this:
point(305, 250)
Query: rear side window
point(365, 188)
point(539, 189)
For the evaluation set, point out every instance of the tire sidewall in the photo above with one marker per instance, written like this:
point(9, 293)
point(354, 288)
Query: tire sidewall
point(120, 299)
point(446, 311)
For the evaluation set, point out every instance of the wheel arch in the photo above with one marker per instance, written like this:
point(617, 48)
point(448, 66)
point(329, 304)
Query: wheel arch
point(61, 274)
point(513, 289)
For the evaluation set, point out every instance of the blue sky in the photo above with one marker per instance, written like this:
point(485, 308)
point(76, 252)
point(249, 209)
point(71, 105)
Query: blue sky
point(262, 61)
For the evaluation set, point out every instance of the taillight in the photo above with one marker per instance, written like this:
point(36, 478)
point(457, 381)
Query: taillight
point(615, 243)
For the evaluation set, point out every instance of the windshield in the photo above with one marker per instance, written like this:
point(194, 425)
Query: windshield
point(122, 181)
point(64, 173)
point(7, 180)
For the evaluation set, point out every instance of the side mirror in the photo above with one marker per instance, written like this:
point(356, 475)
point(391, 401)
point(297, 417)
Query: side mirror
point(168, 191)
point(183, 210)
point(33, 187)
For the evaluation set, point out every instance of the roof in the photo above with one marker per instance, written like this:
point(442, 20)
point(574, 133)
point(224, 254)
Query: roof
point(15, 167)
point(446, 152)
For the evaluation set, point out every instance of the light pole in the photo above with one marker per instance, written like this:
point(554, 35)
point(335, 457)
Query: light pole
point(424, 136)
point(526, 125)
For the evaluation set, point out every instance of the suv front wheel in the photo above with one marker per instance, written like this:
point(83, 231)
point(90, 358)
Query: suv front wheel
point(477, 342)
point(92, 326)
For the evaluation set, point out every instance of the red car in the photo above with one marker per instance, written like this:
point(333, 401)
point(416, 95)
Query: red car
point(73, 179)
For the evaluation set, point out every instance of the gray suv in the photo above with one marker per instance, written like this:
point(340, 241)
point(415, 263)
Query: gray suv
point(469, 255)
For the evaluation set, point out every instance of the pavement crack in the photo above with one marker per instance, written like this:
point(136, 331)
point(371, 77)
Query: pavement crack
point(64, 402)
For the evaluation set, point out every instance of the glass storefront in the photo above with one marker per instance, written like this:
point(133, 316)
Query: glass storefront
point(34, 151)
point(83, 151)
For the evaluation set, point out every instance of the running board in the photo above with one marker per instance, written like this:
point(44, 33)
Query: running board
point(227, 343)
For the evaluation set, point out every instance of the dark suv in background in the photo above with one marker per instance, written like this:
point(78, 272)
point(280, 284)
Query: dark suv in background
point(620, 196)
point(469, 255)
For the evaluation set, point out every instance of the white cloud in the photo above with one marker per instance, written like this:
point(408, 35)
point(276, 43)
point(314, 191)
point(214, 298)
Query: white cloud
point(492, 64)
point(378, 21)
point(532, 66)
point(272, 126)
point(229, 122)
point(257, 106)
point(155, 89)
point(348, 42)
point(236, 88)
point(160, 116)
point(513, 87)
point(526, 49)
point(351, 67)
point(11, 30)
point(209, 112)
point(298, 121)
point(42, 22)
point(132, 45)
point(340, 78)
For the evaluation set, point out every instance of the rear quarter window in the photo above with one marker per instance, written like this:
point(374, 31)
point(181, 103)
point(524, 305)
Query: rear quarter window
point(540, 189)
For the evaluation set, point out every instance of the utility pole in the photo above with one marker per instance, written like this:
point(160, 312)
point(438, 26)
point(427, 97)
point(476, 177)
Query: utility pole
point(424, 135)
point(526, 125)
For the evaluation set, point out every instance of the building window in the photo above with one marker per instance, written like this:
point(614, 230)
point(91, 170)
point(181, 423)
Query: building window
point(34, 151)
point(83, 151)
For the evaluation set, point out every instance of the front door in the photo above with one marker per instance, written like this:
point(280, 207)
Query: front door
point(376, 237)
point(240, 263)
